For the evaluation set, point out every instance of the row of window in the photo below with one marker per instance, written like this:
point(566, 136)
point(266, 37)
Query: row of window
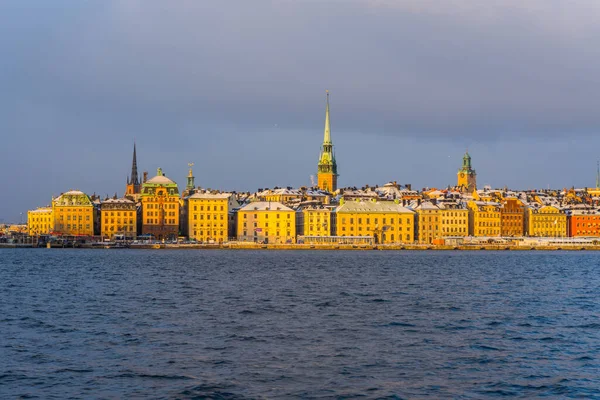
point(376, 220)
point(266, 224)
point(170, 221)
point(157, 206)
point(118, 213)
point(87, 218)
point(221, 208)
point(267, 216)
point(266, 233)
point(125, 221)
point(221, 216)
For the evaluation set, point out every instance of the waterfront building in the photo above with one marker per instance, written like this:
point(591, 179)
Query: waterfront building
point(40, 221)
point(118, 217)
point(386, 221)
point(484, 218)
point(160, 207)
point(454, 218)
point(428, 222)
point(133, 187)
point(327, 168)
point(317, 221)
point(584, 222)
point(208, 216)
point(74, 214)
point(467, 177)
point(268, 222)
point(280, 195)
point(546, 221)
point(512, 217)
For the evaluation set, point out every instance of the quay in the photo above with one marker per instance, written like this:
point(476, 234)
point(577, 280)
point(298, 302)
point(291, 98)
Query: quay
point(331, 247)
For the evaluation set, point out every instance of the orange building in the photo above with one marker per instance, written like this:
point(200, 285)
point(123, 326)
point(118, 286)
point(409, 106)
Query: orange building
point(512, 217)
point(584, 223)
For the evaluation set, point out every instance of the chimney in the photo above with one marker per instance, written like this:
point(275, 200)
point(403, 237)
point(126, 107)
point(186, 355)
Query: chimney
point(408, 186)
point(145, 176)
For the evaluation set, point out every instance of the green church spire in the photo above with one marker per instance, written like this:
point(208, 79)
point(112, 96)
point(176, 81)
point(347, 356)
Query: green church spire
point(327, 163)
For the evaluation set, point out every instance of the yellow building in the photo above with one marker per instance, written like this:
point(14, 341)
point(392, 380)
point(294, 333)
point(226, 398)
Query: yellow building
point(455, 219)
point(484, 218)
point(74, 214)
point(327, 168)
point(317, 221)
point(428, 222)
point(385, 221)
point(546, 221)
point(160, 207)
point(466, 175)
point(40, 221)
point(118, 217)
point(268, 222)
point(208, 216)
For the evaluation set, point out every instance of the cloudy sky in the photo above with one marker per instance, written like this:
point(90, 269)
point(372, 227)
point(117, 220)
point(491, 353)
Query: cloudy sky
point(238, 88)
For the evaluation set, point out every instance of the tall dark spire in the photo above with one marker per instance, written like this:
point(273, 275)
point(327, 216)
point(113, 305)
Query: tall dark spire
point(134, 178)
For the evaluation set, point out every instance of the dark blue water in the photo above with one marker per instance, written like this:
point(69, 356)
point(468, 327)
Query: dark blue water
point(248, 324)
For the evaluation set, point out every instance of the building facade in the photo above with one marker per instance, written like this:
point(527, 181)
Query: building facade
point(267, 222)
point(208, 216)
point(584, 223)
point(74, 214)
point(484, 218)
point(466, 176)
point(327, 168)
point(317, 221)
point(546, 221)
point(428, 222)
point(118, 217)
point(160, 207)
point(40, 221)
point(455, 219)
point(512, 216)
point(386, 221)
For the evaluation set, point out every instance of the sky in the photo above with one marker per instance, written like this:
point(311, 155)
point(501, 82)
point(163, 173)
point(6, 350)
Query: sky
point(238, 88)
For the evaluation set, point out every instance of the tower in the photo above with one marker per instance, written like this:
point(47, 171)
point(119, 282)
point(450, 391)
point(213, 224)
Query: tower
point(133, 181)
point(327, 167)
point(467, 177)
point(190, 178)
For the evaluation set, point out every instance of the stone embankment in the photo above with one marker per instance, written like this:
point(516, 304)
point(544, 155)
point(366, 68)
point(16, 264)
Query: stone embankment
point(258, 246)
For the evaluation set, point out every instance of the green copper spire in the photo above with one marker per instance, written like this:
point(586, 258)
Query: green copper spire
point(466, 164)
point(327, 133)
point(190, 178)
point(327, 163)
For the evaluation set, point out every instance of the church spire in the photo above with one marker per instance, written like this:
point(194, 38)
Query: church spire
point(598, 174)
point(135, 179)
point(327, 132)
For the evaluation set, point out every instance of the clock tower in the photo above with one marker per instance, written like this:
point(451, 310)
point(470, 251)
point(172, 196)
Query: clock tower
point(467, 177)
point(327, 167)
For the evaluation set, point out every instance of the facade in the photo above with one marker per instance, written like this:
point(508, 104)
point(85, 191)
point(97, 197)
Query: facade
point(74, 214)
point(455, 219)
point(466, 176)
point(160, 207)
point(386, 221)
point(512, 216)
point(40, 221)
point(327, 168)
point(118, 217)
point(428, 222)
point(317, 221)
point(484, 218)
point(584, 223)
point(267, 222)
point(133, 187)
point(546, 221)
point(208, 216)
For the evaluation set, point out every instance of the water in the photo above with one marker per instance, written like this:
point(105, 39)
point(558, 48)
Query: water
point(270, 324)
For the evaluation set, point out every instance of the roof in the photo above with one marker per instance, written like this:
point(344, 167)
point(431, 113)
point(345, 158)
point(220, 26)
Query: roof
point(73, 193)
point(41, 210)
point(160, 180)
point(426, 205)
point(118, 201)
point(373, 206)
point(265, 206)
point(205, 195)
